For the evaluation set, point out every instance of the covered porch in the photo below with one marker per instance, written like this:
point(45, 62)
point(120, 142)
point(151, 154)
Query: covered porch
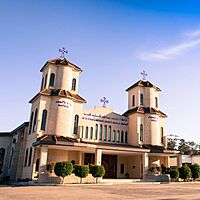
point(119, 161)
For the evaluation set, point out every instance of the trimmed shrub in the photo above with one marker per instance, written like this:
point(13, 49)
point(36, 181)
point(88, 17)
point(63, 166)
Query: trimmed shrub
point(185, 172)
point(153, 170)
point(164, 169)
point(81, 171)
point(63, 169)
point(174, 174)
point(195, 169)
point(97, 171)
point(50, 167)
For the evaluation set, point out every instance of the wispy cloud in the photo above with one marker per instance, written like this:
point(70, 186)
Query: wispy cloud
point(193, 40)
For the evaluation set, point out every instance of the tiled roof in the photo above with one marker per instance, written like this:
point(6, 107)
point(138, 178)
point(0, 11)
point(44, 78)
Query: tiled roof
point(5, 134)
point(61, 93)
point(145, 110)
point(60, 61)
point(143, 83)
point(53, 140)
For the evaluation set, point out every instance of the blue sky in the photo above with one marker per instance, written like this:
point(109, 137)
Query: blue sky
point(113, 41)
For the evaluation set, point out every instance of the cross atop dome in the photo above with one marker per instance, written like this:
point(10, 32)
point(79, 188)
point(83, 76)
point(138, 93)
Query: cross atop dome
point(144, 74)
point(63, 52)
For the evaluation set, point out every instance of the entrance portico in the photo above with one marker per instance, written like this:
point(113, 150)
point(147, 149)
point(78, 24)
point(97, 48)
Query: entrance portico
point(119, 161)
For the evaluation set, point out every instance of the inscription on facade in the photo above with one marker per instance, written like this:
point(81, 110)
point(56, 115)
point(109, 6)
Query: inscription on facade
point(104, 119)
point(64, 104)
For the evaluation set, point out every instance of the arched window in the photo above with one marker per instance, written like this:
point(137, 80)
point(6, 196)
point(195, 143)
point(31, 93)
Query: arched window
point(105, 133)
point(86, 132)
point(74, 84)
point(35, 120)
point(44, 119)
point(76, 119)
point(11, 157)
point(141, 99)
point(122, 136)
point(91, 132)
point(109, 133)
point(30, 157)
point(37, 165)
point(162, 135)
point(26, 158)
point(82, 132)
point(2, 155)
point(156, 102)
point(96, 131)
point(141, 133)
point(133, 100)
point(114, 136)
point(42, 83)
point(31, 122)
point(52, 80)
point(122, 169)
point(118, 135)
point(45, 81)
point(100, 134)
point(126, 137)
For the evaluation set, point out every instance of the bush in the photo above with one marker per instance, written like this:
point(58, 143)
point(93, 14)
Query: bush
point(195, 169)
point(50, 167)
point(185, 172)
point(153, 170)
point(63, 169)
point(174, 174)
point(81, 171)
point(97, 171)
point(158, 169)
point(164, 169)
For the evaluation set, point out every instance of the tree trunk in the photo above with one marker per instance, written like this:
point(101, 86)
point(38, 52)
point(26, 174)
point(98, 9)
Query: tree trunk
point(63, 181)
point(81, 181)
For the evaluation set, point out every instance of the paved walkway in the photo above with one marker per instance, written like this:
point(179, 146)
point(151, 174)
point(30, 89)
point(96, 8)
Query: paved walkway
point(187, 191)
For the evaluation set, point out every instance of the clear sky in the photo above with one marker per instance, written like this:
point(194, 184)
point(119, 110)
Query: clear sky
point(113, 41)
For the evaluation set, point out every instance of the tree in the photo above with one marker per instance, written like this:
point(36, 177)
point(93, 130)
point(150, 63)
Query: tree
point(185, 172)
point(172, 141)
point(185, 147)
point(97, 171)
point(81, 171)
point(63, 169)
point(195, 169)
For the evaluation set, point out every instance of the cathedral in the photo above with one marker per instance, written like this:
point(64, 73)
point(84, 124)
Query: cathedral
point(61, 129)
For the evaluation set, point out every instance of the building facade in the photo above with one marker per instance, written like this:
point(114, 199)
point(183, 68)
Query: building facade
point(60, 129)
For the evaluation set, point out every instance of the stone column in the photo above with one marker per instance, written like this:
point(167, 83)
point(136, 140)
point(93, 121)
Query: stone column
point(43, 160)
point(98, 156)
point(145, 164)
point(80, 157)
point(179, 160)
point(167, 161)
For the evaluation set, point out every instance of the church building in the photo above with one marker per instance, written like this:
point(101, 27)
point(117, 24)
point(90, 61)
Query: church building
point(61, 129)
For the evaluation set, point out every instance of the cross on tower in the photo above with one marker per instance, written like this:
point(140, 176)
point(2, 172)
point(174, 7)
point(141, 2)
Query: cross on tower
point(104, 101)
point(63, 51)
point(144, 74)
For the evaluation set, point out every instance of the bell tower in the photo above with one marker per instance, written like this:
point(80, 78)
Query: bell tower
point(146, 123)
point(58, 104)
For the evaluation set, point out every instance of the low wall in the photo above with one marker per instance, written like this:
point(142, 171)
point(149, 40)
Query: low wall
point(52, 178)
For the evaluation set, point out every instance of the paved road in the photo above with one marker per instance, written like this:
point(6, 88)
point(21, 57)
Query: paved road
point(187, 191)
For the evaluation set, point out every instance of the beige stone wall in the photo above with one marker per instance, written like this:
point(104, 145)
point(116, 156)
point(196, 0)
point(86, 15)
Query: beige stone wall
point(63, 76)
point(105, 117)
point(132, 166)
point(5, 142)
